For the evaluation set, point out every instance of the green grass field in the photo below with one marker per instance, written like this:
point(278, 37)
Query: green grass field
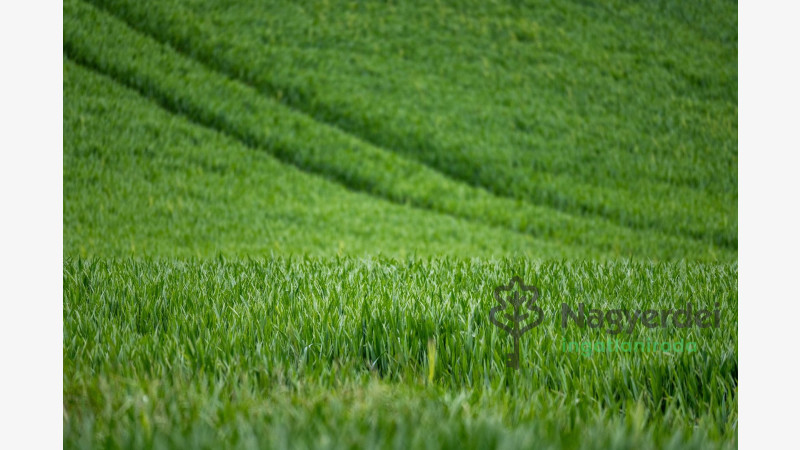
point(284, 222)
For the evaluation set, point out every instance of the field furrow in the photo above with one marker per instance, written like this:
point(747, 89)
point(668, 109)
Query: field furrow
point(596, 166)
point(187, 87)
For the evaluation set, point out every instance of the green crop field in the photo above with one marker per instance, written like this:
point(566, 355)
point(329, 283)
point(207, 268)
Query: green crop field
point(284, 222)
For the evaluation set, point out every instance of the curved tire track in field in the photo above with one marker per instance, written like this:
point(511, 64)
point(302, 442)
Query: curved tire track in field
point(300, 101)
point(118, 53)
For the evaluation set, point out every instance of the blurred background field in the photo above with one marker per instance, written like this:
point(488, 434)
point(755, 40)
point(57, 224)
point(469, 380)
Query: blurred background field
point(605, 129)
point(224, 145)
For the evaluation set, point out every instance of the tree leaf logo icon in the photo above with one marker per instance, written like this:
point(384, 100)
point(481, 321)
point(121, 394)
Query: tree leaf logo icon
point(516, 313)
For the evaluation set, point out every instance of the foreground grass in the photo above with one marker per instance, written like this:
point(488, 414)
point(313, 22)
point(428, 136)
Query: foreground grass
point(349, 352)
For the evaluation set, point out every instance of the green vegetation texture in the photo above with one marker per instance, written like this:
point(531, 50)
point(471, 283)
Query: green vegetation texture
point(283, 221)
point(352, 353)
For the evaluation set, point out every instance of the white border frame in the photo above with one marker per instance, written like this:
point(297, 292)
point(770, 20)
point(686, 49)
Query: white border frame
point(31, 224)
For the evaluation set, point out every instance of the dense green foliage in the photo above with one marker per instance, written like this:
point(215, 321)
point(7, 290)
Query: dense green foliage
point(235, 108)
point(283, 221)
point(140, 181)
point(338, 353)
point(576, 107)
